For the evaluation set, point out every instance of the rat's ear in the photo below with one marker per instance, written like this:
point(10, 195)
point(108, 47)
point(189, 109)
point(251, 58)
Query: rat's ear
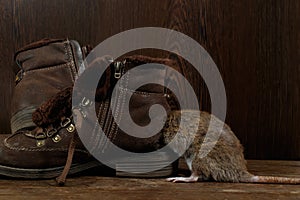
point(52, 110)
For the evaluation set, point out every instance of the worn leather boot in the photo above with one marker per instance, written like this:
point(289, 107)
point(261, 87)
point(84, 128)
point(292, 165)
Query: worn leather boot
point(43, 69)
point(56, 114)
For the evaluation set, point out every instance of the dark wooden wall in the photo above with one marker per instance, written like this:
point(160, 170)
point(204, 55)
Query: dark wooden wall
point(255, 44)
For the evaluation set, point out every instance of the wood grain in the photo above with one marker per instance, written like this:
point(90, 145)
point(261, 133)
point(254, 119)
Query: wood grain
point(255, 44)
point(105, 187)
point(6, 62)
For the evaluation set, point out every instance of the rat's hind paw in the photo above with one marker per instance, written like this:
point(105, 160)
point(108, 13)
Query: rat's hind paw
point(190, 179)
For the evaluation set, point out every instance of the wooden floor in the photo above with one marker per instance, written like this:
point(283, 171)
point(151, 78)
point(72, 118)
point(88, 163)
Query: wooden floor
point(104, 187)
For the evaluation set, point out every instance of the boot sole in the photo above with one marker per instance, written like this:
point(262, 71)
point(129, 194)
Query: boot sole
point(143, 168)
point(45, 173)
point(125, 167)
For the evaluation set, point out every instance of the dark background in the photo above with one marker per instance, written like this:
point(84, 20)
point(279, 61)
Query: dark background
point(255, 44)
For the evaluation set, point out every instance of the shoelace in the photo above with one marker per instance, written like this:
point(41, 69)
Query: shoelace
point(74, 139)
point(62, 178)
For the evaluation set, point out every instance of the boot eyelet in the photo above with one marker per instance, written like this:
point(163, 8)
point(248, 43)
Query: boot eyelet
point(51, 132)
point(56, 138)
point(85, 102)
point(40, 143)
point(41, 135)
point(65, 122)
point(71, 128)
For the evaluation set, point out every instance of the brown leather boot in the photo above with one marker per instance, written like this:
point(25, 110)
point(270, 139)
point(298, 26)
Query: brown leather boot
point(56, 114)
point(43, 69)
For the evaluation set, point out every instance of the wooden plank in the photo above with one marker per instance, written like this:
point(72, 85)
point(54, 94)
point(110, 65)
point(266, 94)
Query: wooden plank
point(96, 187)
point(6, 62)
point(277, 88)
point(256, 47)
point(255, 44)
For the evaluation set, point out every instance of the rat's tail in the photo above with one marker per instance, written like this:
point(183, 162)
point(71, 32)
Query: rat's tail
point(271, 180)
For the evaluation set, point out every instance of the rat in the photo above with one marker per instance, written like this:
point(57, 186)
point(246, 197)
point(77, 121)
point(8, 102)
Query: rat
point(224, 163)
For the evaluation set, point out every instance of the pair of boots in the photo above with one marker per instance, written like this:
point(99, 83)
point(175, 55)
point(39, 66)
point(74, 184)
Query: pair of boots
point(43, 70)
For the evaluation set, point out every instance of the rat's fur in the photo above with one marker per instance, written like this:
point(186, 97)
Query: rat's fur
point(225, 162)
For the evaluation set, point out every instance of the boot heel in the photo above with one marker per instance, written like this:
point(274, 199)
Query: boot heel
point(130, 167)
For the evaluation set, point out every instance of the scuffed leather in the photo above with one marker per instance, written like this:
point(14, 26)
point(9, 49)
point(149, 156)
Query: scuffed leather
point(140, 102)
point(20, 151)
point(47, 67)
